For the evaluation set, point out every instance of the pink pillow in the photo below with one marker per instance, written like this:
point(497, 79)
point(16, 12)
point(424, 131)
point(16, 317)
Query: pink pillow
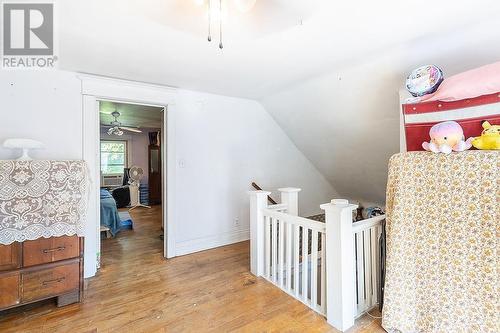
point(484, 80)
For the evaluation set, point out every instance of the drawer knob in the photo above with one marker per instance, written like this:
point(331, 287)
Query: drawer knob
point(60, 248)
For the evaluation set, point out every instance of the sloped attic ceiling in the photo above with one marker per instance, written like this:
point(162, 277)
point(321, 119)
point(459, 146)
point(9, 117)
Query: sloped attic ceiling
point(347, 120)
point(330, 82)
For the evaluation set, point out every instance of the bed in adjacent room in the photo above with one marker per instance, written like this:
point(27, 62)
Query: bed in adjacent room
point(110, 218)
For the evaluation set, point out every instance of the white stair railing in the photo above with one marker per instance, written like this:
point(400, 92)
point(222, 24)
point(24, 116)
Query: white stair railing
point(292, 257)
point(367, 258)
point(292, 261)
point(331, 267)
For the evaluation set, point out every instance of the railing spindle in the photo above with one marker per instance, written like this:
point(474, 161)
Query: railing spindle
point(267, 232)
point(288, 262)
point(274, 248)
point(314, 269)
point(296, 257)
point(367, 267)
point(355, 272)
point(281, 245)
point(323, 273)
point(374, 261)
point(361, 272)
point(305, 243)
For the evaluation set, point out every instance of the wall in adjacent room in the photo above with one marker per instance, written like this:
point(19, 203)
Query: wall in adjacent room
point(137, 145)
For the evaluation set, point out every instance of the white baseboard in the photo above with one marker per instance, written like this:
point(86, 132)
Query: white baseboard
point(210, 242)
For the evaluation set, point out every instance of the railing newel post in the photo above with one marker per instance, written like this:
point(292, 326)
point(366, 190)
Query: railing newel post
point(340, 292)
point(258, 201)
point(290, 197)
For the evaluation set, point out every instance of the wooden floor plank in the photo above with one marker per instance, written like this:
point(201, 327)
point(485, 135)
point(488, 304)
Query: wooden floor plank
point(137, 290)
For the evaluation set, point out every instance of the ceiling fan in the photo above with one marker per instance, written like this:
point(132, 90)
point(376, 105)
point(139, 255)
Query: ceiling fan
point(242, 5)
point(116, 128)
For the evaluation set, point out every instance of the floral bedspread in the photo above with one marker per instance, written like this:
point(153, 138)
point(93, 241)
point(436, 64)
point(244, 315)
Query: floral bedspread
point(443, 223)
point(42, 199)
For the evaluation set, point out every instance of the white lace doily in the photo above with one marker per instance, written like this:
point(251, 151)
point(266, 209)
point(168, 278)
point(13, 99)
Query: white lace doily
point(42, 198)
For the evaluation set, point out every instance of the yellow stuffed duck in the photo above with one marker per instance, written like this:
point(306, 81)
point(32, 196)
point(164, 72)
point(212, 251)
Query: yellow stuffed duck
point(489, 139)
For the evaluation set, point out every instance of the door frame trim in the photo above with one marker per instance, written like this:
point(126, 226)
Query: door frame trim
point(94, 89)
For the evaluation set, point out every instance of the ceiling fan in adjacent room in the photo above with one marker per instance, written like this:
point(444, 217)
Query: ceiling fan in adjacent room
point(116, 128)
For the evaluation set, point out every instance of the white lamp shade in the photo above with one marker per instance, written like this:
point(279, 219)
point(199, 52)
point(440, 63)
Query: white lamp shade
point(244, 5)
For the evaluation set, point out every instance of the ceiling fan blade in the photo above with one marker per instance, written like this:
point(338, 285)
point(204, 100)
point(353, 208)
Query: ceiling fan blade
point(107, 125)
point(131, 129)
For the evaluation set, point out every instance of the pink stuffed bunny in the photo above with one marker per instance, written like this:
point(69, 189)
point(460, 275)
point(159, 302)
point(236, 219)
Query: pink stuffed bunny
point(446, 137)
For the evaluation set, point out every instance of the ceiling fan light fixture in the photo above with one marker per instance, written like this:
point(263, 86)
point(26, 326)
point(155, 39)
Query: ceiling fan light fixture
point(244, 5)
point(116, 128)
point(115, 131)
point(215, 13)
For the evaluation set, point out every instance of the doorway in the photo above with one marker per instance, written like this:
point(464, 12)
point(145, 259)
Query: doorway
point(131, 201)
point(95, 89)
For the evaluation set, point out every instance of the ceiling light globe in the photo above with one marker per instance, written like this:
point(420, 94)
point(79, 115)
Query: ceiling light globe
point(244, 5)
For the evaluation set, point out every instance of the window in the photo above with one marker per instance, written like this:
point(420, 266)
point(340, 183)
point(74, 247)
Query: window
point(113, 157)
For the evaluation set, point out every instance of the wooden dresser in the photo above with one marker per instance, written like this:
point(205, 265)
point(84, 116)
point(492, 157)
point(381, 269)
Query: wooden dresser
point(40, 269)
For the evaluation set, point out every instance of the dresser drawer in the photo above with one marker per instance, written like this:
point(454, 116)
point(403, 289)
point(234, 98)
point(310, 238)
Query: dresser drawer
point(50, 282)
point(10, 256)
point(9, 290)
point(46, 250)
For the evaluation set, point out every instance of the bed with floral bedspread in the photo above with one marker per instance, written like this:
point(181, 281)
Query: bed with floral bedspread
point(443, 222)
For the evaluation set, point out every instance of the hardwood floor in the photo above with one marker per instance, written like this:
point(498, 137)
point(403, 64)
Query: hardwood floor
point(137, 290)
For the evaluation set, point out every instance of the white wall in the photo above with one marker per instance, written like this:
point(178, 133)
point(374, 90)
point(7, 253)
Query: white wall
point(222, 144)
point(45, 106)
point(346, 127)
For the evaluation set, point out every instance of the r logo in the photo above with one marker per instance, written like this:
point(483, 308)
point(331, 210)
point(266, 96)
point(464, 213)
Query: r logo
point(28, 29)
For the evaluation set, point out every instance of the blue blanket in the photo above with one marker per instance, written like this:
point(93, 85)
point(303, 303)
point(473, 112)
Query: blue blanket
point(109, 212)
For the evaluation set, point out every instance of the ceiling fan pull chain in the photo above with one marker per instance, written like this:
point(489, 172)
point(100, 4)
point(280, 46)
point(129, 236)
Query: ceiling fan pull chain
point(221, 46)
point(209, 20)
